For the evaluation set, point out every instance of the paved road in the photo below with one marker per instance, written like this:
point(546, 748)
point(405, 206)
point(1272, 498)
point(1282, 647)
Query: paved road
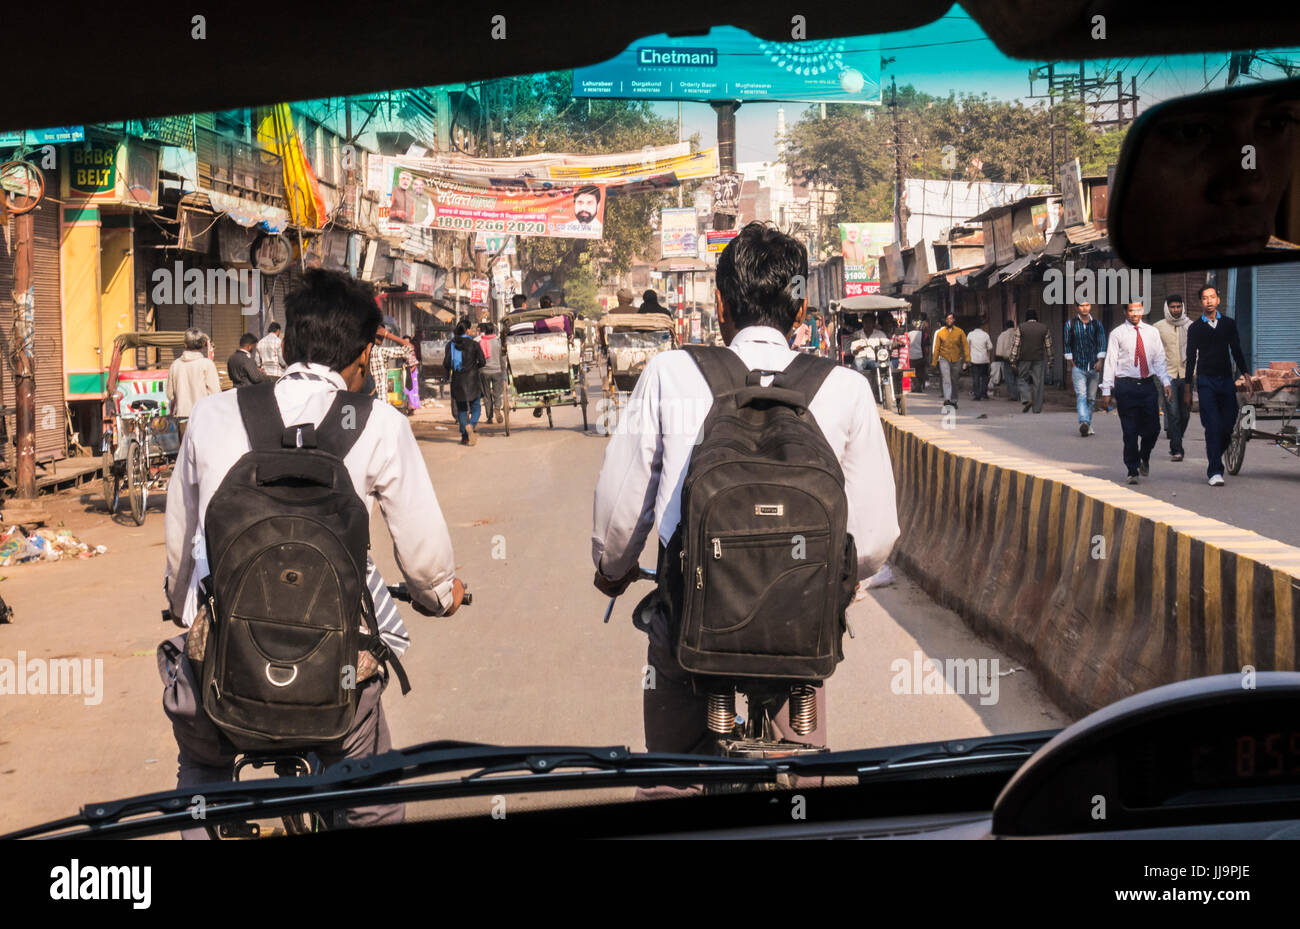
point(529, 662)
point(1263, 498)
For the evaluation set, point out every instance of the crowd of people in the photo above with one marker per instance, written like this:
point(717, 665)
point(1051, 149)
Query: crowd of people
point(1148, 372)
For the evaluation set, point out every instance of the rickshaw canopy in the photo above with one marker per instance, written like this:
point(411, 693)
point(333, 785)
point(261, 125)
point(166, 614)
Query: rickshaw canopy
point(129, 340)
point(531, 316)
point(869, 303)
point(637, 321)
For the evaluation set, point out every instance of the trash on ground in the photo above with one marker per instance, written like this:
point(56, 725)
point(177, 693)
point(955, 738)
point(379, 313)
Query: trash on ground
point(18, 547)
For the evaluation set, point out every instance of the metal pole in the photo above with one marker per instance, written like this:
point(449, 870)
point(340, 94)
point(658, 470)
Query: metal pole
point(24, 361)
point(726, 110)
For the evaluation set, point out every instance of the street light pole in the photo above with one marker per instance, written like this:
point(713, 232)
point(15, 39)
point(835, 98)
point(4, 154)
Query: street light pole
point(22, 359)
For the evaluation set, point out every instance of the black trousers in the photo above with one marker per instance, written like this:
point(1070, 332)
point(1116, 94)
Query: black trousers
point(1138, 405)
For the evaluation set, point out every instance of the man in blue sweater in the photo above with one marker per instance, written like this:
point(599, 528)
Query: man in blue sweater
point(1212, 346)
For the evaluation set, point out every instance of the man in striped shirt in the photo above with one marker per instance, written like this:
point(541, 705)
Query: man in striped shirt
point(270, 352)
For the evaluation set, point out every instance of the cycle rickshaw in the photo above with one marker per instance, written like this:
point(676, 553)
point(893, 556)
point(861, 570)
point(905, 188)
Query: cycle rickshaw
point(1280, 406)
point(631, 340)
point(543, 358)
point(141, 438)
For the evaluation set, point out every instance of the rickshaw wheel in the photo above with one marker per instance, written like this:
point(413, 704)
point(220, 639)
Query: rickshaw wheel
point(550, 421)
point(111, 483)
point(505, 406)
point(584, 405)
point(1236, 453)
point(137, 480)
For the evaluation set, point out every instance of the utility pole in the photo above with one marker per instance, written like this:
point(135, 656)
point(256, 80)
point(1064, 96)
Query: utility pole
point(900, 234)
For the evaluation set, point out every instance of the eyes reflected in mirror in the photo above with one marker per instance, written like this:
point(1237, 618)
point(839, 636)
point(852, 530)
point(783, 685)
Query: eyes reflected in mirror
point(1212, 177)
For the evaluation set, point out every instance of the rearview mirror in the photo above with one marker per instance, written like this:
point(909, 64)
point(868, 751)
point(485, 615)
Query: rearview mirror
point(1211, 180)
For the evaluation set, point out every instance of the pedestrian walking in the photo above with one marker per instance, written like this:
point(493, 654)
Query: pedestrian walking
point(1085, 356)
point(981, 360)
point(916, 354)
point(493, 373)
point(1135, 362)
point(1212, 346)
point(241, 367)
point(1173, 333)
point(192, 376)
point(1002, 353)
point(270, 352)
point(464, 360)
point(1032, 354)
point(953, 352)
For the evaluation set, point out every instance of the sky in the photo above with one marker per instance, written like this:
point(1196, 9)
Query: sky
point(953, 54)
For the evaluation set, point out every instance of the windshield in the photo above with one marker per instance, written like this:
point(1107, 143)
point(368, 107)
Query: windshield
point(512, 273)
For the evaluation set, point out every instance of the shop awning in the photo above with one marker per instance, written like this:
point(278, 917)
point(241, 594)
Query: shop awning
point(1018, 266)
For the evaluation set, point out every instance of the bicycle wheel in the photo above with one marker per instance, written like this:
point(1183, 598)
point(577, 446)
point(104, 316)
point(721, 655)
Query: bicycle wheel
point(1236, 453)
point(137, 479)
point(23, 184)
point(111, 483)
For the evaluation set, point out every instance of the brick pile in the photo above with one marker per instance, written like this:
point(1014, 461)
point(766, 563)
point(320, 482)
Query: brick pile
point(1277, 375)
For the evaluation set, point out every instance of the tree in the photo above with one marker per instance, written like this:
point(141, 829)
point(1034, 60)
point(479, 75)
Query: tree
point(962, 136)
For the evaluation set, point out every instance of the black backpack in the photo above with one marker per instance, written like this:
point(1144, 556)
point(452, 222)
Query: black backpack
point(287, 540)
point(762, 567)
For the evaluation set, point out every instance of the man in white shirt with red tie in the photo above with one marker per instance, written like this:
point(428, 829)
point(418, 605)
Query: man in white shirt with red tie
point(1135, 360)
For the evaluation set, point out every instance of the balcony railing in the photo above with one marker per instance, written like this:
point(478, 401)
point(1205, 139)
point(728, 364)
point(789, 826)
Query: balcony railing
point(231, 166)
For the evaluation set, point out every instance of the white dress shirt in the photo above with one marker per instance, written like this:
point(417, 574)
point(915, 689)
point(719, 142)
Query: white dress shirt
point(648, 452)
point(270, 352)
point(1121, 357)
point(385, 465)
point(981, 347)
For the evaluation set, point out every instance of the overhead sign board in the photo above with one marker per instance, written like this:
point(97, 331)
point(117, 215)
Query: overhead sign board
point(730, 64)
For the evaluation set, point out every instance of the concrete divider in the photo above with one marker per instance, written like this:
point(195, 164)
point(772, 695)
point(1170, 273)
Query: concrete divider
point(1102, 591)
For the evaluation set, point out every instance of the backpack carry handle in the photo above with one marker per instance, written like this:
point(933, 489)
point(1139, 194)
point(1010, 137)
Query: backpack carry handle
point(315, 472)
point(748, 396)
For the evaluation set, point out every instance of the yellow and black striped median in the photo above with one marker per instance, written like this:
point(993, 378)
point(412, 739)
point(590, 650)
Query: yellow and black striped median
point(1101, 590)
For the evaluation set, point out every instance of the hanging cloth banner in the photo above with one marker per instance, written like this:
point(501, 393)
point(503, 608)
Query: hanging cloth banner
point(302, 191)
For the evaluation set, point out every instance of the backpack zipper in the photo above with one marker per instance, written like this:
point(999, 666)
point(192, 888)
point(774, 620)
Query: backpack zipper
point(717, 548)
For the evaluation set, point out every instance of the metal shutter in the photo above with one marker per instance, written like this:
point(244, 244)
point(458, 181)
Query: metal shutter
point(1277, 315)
point(51, 410)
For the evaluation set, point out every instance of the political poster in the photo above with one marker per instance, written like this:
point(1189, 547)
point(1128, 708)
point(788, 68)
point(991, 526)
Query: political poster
point(678, 231)
point(862, 246)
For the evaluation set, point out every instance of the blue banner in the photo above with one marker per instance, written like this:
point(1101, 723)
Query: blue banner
point(731, 64)
point(54, 136)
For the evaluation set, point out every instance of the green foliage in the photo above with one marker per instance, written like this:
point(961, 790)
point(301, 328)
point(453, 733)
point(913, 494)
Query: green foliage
point(539, 114)
point(852, 150)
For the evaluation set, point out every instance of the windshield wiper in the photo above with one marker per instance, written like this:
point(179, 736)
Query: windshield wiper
point(503, 769)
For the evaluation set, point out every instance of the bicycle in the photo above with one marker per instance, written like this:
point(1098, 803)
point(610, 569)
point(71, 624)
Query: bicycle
point(753, 735)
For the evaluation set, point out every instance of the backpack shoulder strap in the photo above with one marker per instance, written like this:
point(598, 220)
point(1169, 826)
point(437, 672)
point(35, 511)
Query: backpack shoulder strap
point(722, 368)
point(343, 423)
point(805, 375)
point(261, 416)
